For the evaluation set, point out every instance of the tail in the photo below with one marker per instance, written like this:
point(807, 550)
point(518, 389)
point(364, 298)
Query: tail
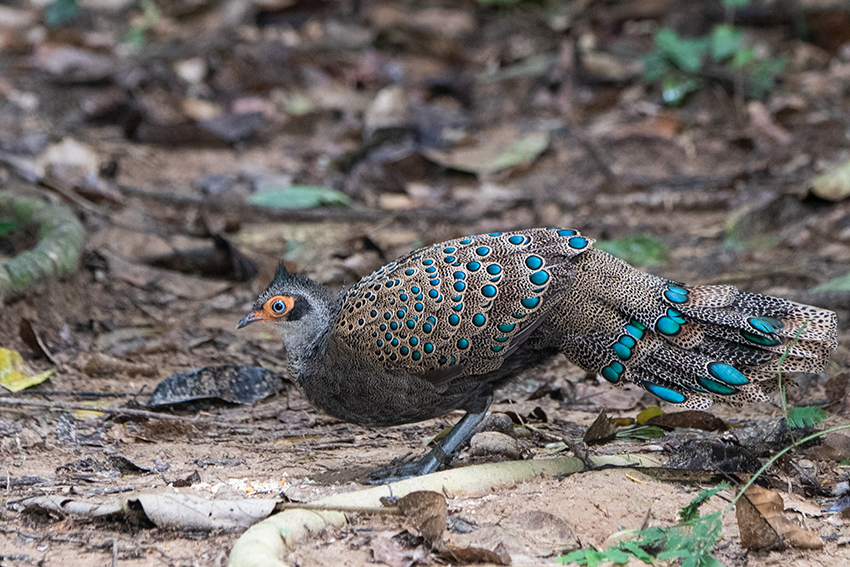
point(690, 345)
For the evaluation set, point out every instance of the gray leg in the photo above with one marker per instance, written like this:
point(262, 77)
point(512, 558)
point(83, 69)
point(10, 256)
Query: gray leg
point(441, 454)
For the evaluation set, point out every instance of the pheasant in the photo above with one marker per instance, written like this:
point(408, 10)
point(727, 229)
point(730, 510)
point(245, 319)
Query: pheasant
point(440, 328)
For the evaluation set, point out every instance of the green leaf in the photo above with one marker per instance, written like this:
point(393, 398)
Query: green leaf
point(60, 11)
point(675, 88)
point(805, 417)
point(634, 548)
point(764, 74)
point(617, 555)
point(640, 432)
point(742, 57)
point(641, 250)
point(725, 40)
point(841, 283)
point(577, 556)
point(655, 66)
point(690, 513)
point(299, 197)
point(686, 54)
point(7, 227)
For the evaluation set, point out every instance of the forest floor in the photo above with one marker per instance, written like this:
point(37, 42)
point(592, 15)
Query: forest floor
point(160, 127)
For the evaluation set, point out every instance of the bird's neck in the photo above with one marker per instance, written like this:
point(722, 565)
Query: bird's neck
point(306, 349)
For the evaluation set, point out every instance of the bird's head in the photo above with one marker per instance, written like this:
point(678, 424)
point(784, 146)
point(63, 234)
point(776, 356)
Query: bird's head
point(286, 299)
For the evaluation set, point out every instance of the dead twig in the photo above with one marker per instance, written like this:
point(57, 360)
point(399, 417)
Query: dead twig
point(257, 213)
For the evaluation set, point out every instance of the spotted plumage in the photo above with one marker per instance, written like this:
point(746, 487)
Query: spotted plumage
point(440, 328)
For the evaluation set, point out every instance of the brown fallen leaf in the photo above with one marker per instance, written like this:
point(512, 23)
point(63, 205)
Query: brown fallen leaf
point(691, 419)
point(764, 525)
point(600, 431)
point(428, 512)
point(467, 555)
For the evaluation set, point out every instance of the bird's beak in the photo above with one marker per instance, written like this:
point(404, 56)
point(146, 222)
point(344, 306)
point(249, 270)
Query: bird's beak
point(251, 317)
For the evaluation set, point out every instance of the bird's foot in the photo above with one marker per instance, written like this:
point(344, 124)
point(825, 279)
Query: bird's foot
point(435, 460)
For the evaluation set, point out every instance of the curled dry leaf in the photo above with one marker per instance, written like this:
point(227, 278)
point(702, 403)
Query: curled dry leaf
point(428, 512)
point(764, 525)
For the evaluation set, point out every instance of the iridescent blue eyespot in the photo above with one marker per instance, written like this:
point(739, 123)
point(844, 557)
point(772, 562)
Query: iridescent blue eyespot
point(534, 262)
point(613, 372)
point(430, 270)
point(459, 275)
point(418, 306)
point(676, 316)
point(488, 291)
point(462, 344)
point(494, 269)
point(517, 239)
point(414, 290)
point(715, 386)
point(497, 348)
point(767, 325)
point(413, 341)
point(634, 330)
point(394, 326)
point(539, 278)
point(727, 374)
point(458, 307)
point(433, 294)
point(428, 348)
point(427, 327)
point(676, 294)
point(459, 286)
point(478, 320)
point(665, 394)
point(577, 242)
point(416, 355)
point(507, 327)
point(409, 272)
point(449, 259)
point(389, 284)
point(435, 281)
point(566, 232)
point(387, 315)
point(404, 350)
point(403, 297)
point(482, 250)
point(448, 250)
point(530, 302)
point(473, 266)
point(622, 351)
point(373, 313)
point(410, 323)
point(466, 241)
point(759, 340)
point(495, 234)
point(453, 320)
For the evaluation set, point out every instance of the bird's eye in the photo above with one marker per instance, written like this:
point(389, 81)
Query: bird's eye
point(278, 306)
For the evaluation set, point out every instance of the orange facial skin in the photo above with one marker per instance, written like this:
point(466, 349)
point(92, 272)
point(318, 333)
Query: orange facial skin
point(273, 309)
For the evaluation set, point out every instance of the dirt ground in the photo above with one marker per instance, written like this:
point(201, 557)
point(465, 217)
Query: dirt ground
point(349, 96)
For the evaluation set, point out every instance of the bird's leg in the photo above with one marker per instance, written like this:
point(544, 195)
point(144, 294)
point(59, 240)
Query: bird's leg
point(441, 454)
